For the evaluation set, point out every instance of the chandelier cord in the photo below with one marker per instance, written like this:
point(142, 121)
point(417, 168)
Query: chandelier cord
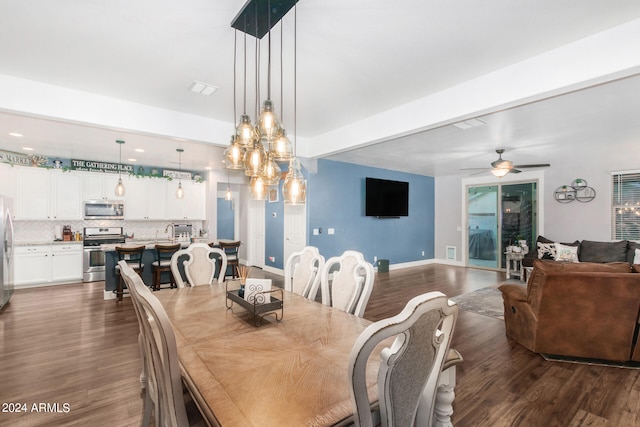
point(295, 78)
point(235, 49)
point(245, 65)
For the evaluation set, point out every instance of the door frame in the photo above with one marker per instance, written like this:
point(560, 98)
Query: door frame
point(523, 177)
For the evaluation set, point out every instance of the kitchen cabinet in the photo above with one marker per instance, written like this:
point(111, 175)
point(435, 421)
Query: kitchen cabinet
point(47, 194)
point(192, 206)
point(66, 263)
point(101, 186)
point(32, 265)
point(145, 198)
point(46, 264)
point(7, 180)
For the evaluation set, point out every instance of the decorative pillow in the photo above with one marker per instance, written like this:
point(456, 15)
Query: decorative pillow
point(546, 250)
point(566, 253)
point(636, 257)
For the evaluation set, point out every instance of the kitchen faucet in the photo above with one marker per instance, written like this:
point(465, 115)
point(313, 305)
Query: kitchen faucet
point(172, 236)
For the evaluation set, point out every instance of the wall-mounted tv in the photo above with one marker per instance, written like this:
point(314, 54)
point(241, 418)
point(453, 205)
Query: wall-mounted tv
point(386, 199)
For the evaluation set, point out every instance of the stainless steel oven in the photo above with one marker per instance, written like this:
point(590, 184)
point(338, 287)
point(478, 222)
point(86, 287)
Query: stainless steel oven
point(93, 261)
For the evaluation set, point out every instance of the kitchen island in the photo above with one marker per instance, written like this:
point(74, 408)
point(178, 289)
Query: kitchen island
point(148, 257)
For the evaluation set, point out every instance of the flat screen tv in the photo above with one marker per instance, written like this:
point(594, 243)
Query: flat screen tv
point(386, 199)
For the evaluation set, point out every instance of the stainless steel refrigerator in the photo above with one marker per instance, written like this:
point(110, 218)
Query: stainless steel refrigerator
point(6, 251)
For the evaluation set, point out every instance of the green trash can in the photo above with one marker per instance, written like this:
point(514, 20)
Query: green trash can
point(383, 266)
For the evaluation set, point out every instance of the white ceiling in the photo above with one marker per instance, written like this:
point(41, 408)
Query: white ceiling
point(355, 59)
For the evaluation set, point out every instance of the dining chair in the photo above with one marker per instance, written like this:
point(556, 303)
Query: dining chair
point(162, 264)
point(347, 282)
point(165, 391)
point(132, 255)
point(410, 368)
point(233, 259)
point(201, 264)
point(302, 272)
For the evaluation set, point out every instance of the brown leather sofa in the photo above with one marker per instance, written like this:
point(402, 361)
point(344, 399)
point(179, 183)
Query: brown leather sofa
point(585, 310)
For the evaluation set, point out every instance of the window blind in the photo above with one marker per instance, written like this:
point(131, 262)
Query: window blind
point(625, 206)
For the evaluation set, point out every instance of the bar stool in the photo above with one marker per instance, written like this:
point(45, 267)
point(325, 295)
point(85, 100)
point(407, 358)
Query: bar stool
point(162, 264)
point(133, 257)
point(231, 250)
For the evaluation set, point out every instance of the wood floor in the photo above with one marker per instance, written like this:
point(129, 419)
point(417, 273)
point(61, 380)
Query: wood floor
point(66, 347)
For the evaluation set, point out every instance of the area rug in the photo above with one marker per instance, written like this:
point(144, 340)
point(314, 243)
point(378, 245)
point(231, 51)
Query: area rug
point(486, 301)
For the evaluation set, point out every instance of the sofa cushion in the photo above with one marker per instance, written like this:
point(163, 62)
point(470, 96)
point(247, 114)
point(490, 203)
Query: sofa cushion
point(566, 253)
point(631, 247)
point(584, 267)
point(603, 251)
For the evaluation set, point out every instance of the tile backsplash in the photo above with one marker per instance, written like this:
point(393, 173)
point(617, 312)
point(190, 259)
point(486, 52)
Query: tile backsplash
point(43, 231)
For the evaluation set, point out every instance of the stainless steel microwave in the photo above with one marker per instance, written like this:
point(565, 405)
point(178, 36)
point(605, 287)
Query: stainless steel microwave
point(103, 209)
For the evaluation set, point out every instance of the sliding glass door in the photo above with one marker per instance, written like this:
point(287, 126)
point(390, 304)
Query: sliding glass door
point(498, 216)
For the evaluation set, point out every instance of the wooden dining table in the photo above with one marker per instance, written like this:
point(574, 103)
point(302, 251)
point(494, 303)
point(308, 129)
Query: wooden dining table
point(292, 372)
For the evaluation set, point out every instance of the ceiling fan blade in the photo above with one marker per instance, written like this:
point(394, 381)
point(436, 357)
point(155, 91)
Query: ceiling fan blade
point(514, 170)
point(541, 165)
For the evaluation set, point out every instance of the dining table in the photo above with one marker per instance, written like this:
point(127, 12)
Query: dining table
point(281, 371)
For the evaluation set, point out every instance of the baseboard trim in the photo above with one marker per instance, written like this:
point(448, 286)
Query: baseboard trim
point(278, 271)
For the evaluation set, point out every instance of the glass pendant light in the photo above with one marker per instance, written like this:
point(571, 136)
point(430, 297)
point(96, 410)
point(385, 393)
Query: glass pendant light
point(268, 124)
point(271, 171)
point(228, 195)
point(179, 191)
point(281, 148)
point(258, 188)
point(294, 189)
point(234, 155)
point(254, 159)
point(245, 131)
point(120, 190)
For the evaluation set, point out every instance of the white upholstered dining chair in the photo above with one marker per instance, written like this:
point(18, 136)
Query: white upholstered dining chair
point(164, 392)
point(201, 265)
point(410, 368)
point(302, 272)
point(347, 282)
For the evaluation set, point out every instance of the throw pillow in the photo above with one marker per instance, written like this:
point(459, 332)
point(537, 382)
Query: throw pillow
point(636, 258)
point(566, 253)
point(546, 250)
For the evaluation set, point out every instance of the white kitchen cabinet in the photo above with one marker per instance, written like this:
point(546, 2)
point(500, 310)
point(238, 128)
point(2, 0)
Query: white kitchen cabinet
point(7, 180)
point(101, 186)
point(192, 206)
point(32, 265)
point(47, 194)
point(47, 264)
point(145, 198)
point(66, 263)
point(66, 195)
point(33, 192)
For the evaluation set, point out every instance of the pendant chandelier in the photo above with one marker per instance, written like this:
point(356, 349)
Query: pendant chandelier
point(179, 191)
point(257, 148)
point(120, 190)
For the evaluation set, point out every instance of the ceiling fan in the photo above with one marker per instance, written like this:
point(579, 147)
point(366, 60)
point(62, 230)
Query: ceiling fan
point(501, 167)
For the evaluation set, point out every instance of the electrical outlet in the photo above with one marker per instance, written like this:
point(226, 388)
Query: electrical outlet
point(375, 259)
point(422, 253)
point(272, 259)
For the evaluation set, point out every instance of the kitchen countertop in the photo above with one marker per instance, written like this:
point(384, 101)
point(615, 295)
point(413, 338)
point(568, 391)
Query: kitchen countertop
point(148, 244)
point(47, 242)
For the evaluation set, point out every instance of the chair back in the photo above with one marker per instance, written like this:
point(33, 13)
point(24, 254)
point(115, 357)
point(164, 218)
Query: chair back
point(230, 249)
point(410, 367)
point(163, 366)
point(164, 253)
point(347, 282)
point(302, 272)
point(132, 255)
point(201, 265)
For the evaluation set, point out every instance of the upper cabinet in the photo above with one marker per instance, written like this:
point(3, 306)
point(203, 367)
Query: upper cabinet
point(47, 194)
point(101, 186)
point(145, 198)
point(192, 206)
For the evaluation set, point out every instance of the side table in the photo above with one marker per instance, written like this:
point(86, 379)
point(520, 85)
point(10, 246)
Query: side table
point(514, 265)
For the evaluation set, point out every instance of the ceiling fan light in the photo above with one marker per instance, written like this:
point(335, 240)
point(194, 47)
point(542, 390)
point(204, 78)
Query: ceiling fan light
point(500, 172)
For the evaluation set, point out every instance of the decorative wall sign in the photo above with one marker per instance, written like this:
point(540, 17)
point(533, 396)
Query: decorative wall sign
point(106, 167)
point(15, 158)
point(578, 190)
point(176, 174)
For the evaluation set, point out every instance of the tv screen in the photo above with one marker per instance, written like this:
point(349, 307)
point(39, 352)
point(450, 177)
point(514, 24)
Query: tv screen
point(384, 198)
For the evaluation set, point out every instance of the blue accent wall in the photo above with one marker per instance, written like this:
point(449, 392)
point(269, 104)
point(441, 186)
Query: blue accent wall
point(225, 219)
point(335, 199)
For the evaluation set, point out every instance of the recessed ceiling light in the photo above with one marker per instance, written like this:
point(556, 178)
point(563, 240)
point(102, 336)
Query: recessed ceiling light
point(16, 134)
point(27, 148)
point(202, 88)
point(132, 160)
point(139, 150)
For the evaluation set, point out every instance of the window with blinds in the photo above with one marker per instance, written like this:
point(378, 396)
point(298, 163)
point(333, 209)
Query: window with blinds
point(625, 206)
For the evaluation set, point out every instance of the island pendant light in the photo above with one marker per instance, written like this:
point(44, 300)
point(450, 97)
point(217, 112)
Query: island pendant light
point(120, 190)
point(245, 131)
point(234, 154)
point(228, 195)
point(268, 124)
point(294, 188)
point(179, 191)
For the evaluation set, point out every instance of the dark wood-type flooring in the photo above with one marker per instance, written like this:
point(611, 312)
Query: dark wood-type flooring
point(66, 345)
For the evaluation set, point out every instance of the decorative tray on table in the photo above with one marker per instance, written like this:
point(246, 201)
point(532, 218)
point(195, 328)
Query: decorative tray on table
point(259, 303)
